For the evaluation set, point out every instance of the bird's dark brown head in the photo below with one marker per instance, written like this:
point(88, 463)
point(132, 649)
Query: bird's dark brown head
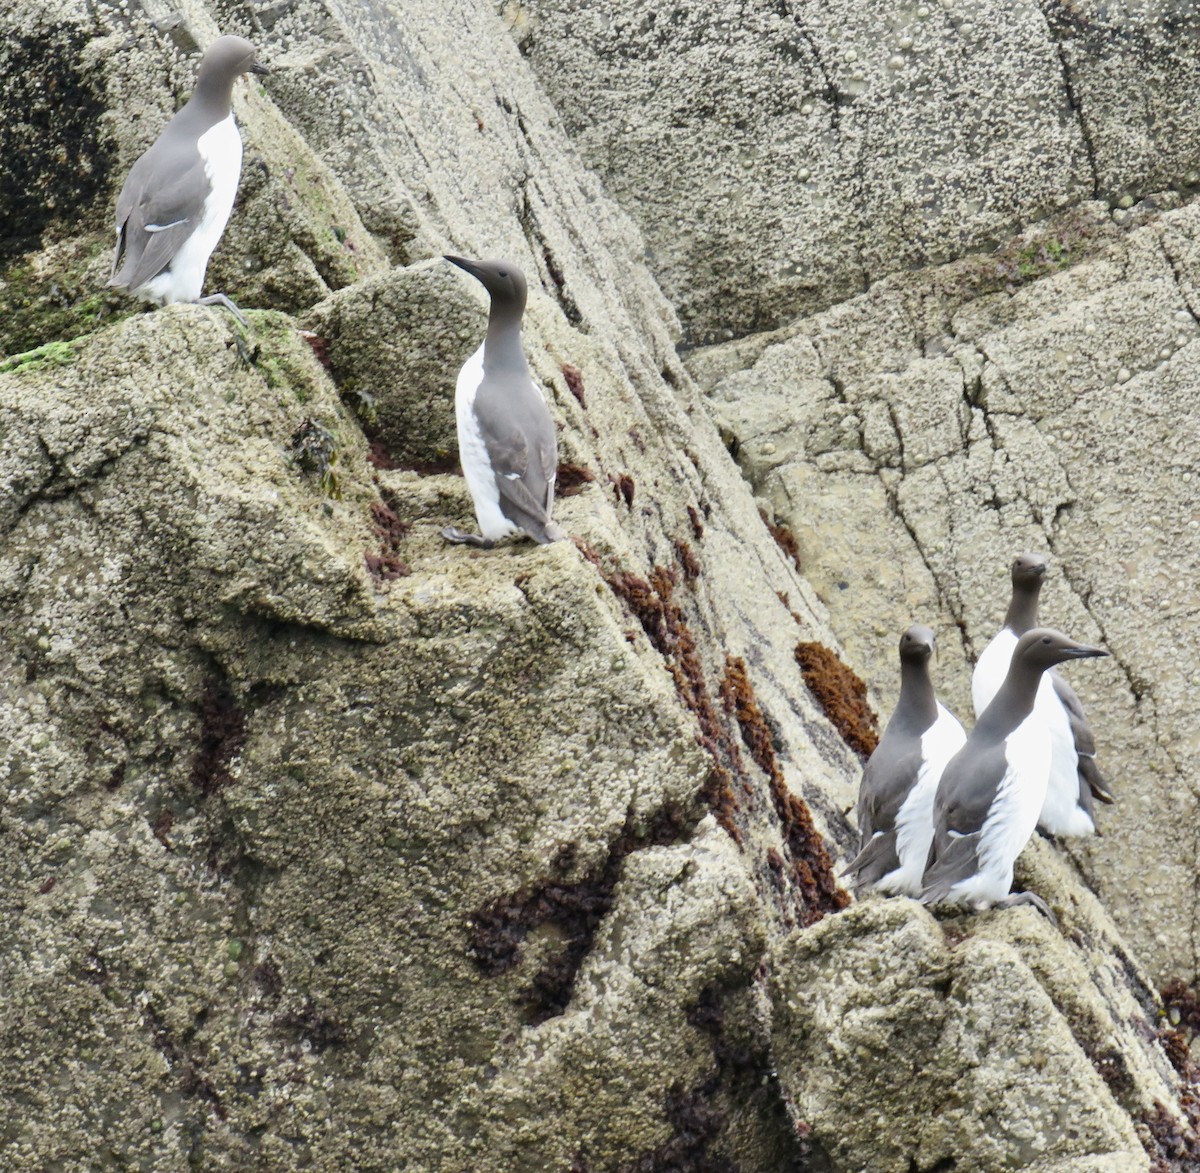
point(1043, 647)
point(917, 644)
point(504, 282)
point(1028, 570)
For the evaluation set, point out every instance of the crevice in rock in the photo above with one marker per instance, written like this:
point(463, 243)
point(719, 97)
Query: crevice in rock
point(836, 100)
point(666, 627)
point(1173, 262)
point(56, 107)
point(1069, 86)
point(1140, 689)
point(317, 1026)
point(530, 226)
point(696, 1122)
point(49, 491)
point(784, 539)
point(221, 737)
point(950, 605)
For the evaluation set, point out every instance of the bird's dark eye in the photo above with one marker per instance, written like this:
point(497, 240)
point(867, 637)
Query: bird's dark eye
point(502, 273)
point(1045, 639)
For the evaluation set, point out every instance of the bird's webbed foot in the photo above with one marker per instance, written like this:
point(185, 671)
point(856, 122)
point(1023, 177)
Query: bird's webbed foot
point(221, 300)
point(462, 538)
point(1015, 898)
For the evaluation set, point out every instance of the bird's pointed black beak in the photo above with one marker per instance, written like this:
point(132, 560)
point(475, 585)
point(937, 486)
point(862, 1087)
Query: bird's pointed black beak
point(259, 68)
point(464, 264)
point(1083, 652)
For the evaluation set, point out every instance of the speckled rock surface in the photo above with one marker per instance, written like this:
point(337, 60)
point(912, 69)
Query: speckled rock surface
point(328, 846)
point(312, 819)
point(257, 796)
point(961, 1010)
point(393, 360)
point(779, 156)
point(945, 424)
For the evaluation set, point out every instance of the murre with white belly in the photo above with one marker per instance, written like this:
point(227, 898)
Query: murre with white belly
point(895, 800)
point(1075, 780)
point(507, 442)
point(992, 790)
point(178, 197)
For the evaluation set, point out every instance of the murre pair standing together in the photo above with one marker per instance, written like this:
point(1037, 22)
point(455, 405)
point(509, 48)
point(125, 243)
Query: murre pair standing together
point(171, 214)
point(942, 815)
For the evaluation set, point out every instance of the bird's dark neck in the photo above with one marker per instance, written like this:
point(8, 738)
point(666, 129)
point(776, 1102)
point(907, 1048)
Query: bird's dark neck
point(1022, 614)
point(917, 706)
point(1013, 702)
point(213, 98)
point(502, 347)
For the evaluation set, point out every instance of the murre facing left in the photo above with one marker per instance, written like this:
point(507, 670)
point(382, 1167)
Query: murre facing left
point(507, 442)
point(895, 801)
point(992, 790)
point(1075, 780)
point(178, 197)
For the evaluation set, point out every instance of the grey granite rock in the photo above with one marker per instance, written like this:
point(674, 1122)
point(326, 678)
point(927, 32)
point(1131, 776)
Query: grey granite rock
point(780, 156)
point(935, 427)
point(327, 846)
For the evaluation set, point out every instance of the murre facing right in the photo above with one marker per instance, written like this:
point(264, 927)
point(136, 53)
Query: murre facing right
point(507, 442)
point(895, 800)
point(1075, 780)
point(992, 790)
point(178, 197)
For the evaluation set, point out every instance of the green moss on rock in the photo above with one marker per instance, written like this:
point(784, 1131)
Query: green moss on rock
point(53, 354)
point(58, 295)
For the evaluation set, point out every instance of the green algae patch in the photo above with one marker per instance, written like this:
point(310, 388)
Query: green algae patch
point(277, 351)
point(53, 354)
point(58, 295)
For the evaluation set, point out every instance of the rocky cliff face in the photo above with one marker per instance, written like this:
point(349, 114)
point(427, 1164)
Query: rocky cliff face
point(327, 846)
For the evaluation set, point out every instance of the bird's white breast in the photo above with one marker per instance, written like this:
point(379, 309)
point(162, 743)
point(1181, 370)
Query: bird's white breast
point(1061, 813)
point(1014, 811)
point(473, 453)
point(221, 149)
point(914, 821)
point(991, 669)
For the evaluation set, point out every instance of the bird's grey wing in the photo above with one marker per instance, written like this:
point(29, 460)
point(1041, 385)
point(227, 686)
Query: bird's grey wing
point(1090, 778)
point(952, 859)
point(522, 446)
point(160, 206)
point(965, 795)
point(877, 859)
point(887, 781)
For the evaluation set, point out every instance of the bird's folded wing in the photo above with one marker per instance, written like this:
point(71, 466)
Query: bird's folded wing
point(153, 220)
point(1085, 741)
point(952, 859)
point(876, 860)
point(887, 781)
point(526, 490)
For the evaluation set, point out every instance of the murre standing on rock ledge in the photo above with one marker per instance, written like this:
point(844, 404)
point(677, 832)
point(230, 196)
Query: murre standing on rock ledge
point(992, 790)
point(178, 197)
point(895, 800)
point(507, 442)
point(1075, 780)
